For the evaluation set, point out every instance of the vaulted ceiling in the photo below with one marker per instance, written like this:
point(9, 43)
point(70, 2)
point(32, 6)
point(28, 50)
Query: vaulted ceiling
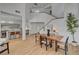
point(15, 8)
point(56, 8)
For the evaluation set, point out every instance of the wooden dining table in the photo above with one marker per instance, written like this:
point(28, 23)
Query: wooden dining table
point(53, 38)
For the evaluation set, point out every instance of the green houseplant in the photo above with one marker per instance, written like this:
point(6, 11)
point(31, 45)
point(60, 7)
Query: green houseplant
point(72, 25)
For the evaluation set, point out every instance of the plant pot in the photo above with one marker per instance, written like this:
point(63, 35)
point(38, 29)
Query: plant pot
point(74, 43)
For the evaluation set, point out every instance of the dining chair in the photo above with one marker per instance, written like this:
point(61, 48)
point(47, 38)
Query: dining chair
point(43, 40)
point(4, 45)
point(37, 36)
point(64, 46)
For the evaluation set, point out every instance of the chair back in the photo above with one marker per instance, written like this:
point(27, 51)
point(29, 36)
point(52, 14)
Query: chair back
point(48, 32)
point(66, 45)
point(66, 42)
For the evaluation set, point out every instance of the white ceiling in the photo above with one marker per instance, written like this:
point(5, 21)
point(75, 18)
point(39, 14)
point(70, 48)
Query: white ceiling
point(57, 8)
point(40, 5)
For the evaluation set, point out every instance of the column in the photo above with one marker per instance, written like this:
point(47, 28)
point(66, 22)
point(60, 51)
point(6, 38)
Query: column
point(23, 24)
point(25, 19)
point(23, 28)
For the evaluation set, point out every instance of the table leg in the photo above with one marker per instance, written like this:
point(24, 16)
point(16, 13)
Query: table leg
point(35, 39)
point(51, 44)
point(56, 46)
point(8, 47)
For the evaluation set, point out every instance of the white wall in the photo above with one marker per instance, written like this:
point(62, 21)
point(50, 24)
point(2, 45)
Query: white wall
point(35, 27)
point(58, 9)
point(71, 8)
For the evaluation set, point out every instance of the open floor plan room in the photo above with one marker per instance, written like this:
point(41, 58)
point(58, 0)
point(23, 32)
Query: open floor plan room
point(39, 28)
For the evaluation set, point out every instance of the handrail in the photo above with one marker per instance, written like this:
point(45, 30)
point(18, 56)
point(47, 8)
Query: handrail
point(50, 20)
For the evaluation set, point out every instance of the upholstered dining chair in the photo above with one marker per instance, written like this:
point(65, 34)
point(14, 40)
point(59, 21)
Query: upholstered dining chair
point(4, 45)
point(64, 46)
point(43, 40)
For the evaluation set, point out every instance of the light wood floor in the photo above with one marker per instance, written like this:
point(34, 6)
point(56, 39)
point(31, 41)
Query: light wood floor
point(28, 47)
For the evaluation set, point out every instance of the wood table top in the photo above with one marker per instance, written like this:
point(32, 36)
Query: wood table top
point(52, 37)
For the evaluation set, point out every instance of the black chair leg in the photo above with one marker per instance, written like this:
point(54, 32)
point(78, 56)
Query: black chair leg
point(35, 39)
point(41, 45)
point(66, 50)
point(46, 44)
point(8, 47)
point(46, 48)
point(50, 44)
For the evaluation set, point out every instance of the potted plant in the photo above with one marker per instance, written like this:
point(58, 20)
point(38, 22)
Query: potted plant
point(72, 25)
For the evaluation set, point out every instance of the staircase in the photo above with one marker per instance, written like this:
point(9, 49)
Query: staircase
point(47, 22)
point(50, 21)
